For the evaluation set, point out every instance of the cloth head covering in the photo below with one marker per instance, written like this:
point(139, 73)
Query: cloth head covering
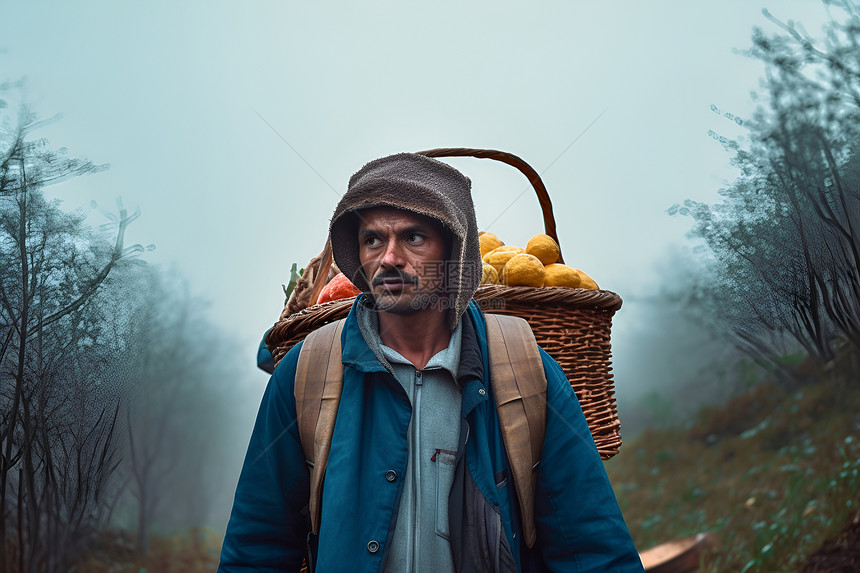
point(424, 186)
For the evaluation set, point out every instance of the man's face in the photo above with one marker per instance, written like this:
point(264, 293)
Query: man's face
point(402, 256)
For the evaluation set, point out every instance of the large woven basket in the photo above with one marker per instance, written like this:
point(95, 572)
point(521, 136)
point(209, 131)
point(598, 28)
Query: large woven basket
point(573, 325)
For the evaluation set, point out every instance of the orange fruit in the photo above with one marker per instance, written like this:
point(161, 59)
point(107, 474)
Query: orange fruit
point(587, 281)
point(337, 288)
point(489, 242)
point(490, 276)
point(544, 248)
point(561, 275)
point(499, 256)
point(523, 270)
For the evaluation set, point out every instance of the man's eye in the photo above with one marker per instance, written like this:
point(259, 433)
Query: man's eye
point(371, 241)
point(415, 238)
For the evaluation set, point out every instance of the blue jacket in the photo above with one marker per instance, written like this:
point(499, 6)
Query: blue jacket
point(579, 524)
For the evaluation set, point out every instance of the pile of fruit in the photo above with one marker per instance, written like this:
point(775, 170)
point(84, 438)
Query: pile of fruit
point(534, 266)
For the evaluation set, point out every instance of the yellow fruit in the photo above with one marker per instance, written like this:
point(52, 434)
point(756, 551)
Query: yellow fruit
point(523, 270)
point(499, 256)
point(544, 248)
point(508, 248)
point(489, 242)
point(561, 275)
point(490, 276)
point(587, 281)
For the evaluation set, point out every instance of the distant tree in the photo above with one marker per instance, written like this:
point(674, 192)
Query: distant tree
point(181, 388)
point(783, 246)
point(58, 413)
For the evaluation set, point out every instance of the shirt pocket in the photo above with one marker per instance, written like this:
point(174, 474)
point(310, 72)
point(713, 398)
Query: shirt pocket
point(446, 463)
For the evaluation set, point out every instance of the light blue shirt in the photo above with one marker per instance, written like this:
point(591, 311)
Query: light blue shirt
point(421, 541)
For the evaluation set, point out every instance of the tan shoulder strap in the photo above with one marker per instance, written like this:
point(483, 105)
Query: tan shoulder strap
point(519, 387)
point(316, 404)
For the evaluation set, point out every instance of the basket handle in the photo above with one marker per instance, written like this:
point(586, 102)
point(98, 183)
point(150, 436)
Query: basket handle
point(514, 161)
point(322, 273)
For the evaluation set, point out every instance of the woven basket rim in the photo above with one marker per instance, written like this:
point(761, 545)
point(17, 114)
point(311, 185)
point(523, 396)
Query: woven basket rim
point(569, 297)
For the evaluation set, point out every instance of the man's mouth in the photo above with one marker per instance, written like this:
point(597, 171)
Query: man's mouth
point(394, 283)
point(392, 287)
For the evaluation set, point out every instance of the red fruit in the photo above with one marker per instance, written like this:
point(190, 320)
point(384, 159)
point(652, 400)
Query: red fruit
point(337, 288)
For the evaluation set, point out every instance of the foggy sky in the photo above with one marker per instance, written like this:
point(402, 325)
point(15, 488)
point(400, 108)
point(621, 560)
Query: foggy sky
point(234, 126)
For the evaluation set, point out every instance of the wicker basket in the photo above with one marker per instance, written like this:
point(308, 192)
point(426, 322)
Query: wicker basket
point(572, 325)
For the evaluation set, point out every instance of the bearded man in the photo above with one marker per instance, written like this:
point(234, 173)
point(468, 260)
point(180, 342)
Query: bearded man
point(417, 477)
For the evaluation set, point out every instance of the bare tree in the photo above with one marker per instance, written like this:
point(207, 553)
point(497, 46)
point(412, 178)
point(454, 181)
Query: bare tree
point(784, 243)
point(57, 433)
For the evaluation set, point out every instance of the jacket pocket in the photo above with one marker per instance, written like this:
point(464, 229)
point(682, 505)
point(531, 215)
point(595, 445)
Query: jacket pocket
point(446, 463)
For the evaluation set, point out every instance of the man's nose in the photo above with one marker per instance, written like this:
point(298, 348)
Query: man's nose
point(393, 256)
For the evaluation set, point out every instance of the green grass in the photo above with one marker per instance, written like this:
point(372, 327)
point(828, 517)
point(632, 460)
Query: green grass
point(772, 474)
point(195, 550)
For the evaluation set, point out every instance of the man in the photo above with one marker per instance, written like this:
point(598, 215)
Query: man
point(417, 476)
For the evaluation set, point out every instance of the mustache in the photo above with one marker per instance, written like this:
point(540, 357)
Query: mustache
point(394, 276)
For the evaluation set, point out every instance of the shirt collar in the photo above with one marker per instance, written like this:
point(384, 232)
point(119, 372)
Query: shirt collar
point(448, 358)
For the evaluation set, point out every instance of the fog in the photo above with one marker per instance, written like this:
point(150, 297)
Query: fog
point(233, 128)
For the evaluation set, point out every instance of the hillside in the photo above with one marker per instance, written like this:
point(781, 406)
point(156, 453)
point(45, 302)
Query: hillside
point(773, 474)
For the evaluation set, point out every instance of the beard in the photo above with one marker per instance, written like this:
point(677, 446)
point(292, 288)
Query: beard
point(405, 304)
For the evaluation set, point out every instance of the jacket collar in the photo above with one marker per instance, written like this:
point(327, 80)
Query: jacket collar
point(473, 351)
point(356, 352)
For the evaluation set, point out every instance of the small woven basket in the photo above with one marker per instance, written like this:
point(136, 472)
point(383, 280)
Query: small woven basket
point(573, 325)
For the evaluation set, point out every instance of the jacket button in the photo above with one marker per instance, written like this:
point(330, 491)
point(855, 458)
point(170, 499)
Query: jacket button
point(481, 391)
point(372, 546)
point(391, 475)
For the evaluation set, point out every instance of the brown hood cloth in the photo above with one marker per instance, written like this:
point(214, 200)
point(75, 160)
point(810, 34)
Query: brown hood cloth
point(421, 185)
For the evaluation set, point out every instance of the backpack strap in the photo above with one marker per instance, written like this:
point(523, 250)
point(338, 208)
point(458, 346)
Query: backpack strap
point(519, 387)
point(316, 404)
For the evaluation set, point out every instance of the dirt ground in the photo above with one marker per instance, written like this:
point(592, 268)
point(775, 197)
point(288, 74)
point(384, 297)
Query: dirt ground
point(840, 554)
